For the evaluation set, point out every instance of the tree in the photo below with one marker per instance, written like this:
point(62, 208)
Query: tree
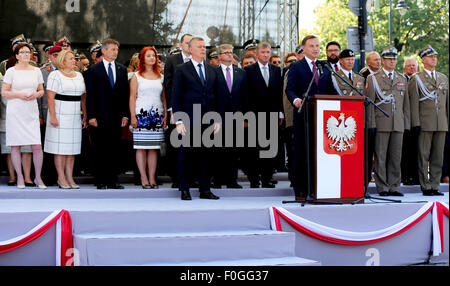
point(425, 22)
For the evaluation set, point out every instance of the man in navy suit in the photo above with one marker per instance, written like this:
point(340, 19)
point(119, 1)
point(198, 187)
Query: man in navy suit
point(194, 84)
point(264, 95)
point(299, 76)
point(107, 111)
point(232, 97)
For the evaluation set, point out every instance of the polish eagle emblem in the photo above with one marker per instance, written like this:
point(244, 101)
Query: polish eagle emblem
point(341, 131)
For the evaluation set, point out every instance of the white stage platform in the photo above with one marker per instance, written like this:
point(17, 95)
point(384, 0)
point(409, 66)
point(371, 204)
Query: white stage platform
point(154, 227)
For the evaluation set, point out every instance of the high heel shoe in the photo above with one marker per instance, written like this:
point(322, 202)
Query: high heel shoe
point(21, 187)
point(74, 186)
point(42, 187)
point(65, 187)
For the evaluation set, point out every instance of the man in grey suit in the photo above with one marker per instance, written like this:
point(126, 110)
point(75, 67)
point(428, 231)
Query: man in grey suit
point(430, 113)
point(389, 90)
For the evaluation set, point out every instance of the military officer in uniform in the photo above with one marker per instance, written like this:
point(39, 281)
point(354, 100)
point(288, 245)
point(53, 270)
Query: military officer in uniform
point(430, 113)
point(93, 50)
point(250, 47)
point(389, 90)
point(347, 61)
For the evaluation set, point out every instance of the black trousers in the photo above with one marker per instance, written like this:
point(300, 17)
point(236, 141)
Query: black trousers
point(409, 163)
point(194, 163)
point(106, 144)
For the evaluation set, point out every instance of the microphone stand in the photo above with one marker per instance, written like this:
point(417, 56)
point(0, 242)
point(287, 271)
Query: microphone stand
point(308, 169)
point(367, 101)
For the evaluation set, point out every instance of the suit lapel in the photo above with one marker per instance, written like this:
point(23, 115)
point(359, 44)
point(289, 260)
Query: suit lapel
point(190, 65)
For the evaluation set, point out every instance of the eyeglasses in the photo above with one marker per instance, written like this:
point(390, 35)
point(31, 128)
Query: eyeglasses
point(291, 61)
point(226, 53)
point(333, 51)
point(276, 62)
point(25, 52)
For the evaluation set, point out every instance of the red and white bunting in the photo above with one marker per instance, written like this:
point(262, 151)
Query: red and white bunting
point(64, 239)
point(345, 237)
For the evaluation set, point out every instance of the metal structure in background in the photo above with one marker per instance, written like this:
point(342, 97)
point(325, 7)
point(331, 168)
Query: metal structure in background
point(247, 20)
point(288, 33)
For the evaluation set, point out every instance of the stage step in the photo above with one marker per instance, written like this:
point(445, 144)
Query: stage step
point(279, 261)
point(181, 248)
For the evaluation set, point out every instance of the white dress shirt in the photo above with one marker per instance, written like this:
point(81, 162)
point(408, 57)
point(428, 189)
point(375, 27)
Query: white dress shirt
point(113, 67)
point(347, 73)
point(431, 74)
point(224, 70)
point(387, 74)
point(196, 67)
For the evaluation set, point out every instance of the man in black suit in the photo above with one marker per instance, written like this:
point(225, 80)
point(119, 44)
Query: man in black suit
point(232, 97)
point(194, 85)
point(300, 75)
point(170, 67)
point(264, 95)
point(107, 110)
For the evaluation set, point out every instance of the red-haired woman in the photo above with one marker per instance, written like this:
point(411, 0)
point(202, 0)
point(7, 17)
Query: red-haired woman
point(148, 115)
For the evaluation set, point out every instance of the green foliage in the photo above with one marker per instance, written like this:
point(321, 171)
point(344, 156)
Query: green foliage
point(425, 22)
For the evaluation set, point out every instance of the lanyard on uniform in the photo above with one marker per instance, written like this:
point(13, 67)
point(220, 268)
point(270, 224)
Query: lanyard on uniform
point(427, 95)
point(383, 98)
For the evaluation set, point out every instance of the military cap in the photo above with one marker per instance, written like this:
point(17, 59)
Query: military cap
point(55, 49)
point(251, 44)
point(18, 39)
point(175, 50)
point(347, 53)
point(76, 54)
point(213, 54)
point(389, 53)
point(64, 41)
point(48, 47)
point(95, 47)
point(299, 49)
point(428, 50)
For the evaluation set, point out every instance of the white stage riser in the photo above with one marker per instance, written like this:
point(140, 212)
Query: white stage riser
point(164, 249)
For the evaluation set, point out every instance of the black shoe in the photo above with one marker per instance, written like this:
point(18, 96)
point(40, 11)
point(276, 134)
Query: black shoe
point(12, 183)
point(268, 185)
point(384, 194)
point(254, 185)
point(30, 184)
point(427, 192)
point(101, 187)
point(273, 181)
point(216, 186)
point(186, 196)
point(234, 186)
point(395, 194)
point(437, 193)
point(115, 187)
point(208, 195)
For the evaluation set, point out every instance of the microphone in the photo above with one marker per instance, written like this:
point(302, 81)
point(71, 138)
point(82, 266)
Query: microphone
point(324, 64)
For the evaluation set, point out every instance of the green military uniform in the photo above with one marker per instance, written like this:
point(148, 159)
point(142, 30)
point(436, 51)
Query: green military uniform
point(343, 88)
point(430, 112)
point(391, 95)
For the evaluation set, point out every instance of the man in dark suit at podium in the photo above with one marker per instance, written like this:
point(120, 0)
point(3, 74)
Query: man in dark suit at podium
point(300, 75)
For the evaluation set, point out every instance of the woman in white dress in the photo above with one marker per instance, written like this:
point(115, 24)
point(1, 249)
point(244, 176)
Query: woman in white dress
point(66, 94)
point(148, 115)
point(22, 85)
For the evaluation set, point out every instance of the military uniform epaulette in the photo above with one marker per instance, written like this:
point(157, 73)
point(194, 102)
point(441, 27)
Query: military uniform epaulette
point(363, 70)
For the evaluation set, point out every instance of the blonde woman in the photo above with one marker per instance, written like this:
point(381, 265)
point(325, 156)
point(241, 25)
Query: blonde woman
point(22, 85)
point(66, 93)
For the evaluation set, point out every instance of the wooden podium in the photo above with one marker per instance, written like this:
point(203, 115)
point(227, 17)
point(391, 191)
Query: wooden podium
point(338, 149)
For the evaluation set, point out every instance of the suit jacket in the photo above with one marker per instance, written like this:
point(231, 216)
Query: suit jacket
point(169, 71)
point(262, 98)
point(188, 89)
point(237, 99)
point(300, 76)
point(288, 108)
point(424, 113)
point(103, 102)
point(399, 118)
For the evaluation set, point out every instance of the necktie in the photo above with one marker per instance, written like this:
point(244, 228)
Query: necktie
point(316, 76)
point(200, 73)
point(110, 75)
point(390, 76)
point(433, 75)
point(266, 75)
point(350, 76)
point(336, 68)
point(228, 75)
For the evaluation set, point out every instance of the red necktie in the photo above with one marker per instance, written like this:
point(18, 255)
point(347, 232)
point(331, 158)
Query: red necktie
point(336, 67)
point(316, 76)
